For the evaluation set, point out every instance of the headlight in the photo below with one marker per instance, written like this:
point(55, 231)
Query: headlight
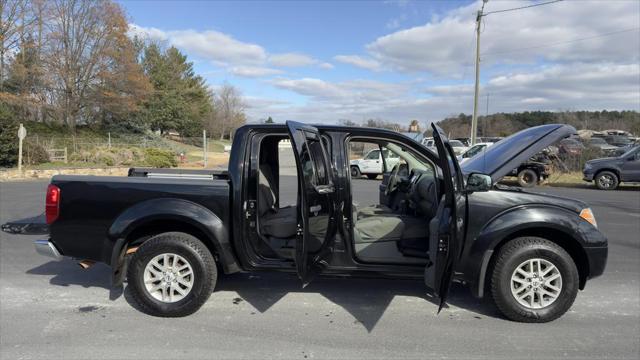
point(587, 166)
point(587, 214)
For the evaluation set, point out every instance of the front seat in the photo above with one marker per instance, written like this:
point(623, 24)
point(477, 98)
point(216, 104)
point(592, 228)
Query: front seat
point(276, 222)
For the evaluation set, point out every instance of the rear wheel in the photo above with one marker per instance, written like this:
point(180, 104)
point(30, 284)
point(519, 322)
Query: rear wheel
point(527, 178)
point(533, 280)
point(355, 172)
point(606, 180)
point(372, 176)
point(172, 274)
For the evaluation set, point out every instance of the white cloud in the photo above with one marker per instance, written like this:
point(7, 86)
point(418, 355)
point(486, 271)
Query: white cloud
point(445, 44)
point(242, 58)
point(291, 60)
point(210, 45)
point(150, 33)
point(218, 47)
point(326, 66)
point(253, 71)
point(359, 61)
point(576, 86)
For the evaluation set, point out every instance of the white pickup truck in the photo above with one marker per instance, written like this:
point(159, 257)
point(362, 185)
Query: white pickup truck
point(372, 164)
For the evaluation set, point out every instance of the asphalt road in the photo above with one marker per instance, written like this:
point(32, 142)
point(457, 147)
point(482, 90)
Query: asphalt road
point(55, 310)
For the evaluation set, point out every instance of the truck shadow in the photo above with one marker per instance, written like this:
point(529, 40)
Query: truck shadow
point(68, 272)
point(365, 299)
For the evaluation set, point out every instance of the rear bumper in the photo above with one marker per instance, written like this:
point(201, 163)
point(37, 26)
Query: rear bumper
point(46, 248)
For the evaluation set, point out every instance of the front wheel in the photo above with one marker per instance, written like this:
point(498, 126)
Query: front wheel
point(533, 280)
point(355, 172)
point(171, 274)
point(606, 180)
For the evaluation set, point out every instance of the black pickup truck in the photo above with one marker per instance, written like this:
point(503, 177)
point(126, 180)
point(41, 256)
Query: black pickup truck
point(172, 232)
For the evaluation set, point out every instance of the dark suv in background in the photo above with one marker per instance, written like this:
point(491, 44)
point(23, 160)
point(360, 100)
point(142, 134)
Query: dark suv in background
point(608, 173)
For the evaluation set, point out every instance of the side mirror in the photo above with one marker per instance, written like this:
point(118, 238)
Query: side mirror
point(478, 182)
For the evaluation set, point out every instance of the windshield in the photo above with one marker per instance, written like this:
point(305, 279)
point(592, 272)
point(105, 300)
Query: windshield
point(628, 153)
point(474, 150)
point(597, 141)
point(620, 140)
point(456, 143)
point(415, 161)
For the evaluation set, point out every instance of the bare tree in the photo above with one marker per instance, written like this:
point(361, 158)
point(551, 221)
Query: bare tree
point(11, 30)
point(229, 109)
point(78, 38)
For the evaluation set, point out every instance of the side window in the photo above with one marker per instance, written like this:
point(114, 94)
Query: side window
point(314, 162)
point(288, 174)
point(373, 155)
point(391, 159)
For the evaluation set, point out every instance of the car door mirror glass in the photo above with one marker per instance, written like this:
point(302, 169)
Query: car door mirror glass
point(478, 182)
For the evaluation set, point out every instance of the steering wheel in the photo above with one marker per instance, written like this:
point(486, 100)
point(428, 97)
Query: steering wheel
point(394, 179)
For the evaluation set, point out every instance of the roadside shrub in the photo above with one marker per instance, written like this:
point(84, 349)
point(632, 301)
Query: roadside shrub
point(105, 156)
point(8, 138)
point(114, 156)
point(34, 154)
point(159, 158)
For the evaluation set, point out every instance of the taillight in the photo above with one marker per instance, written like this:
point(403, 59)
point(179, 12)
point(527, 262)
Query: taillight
point(52, 203)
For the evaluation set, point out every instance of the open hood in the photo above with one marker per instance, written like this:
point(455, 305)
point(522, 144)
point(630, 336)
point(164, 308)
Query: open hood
point(507, 154)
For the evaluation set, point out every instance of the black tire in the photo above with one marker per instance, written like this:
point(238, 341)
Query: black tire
point(355, 172)
point(527, 178)
point(512, 255)
point(372, 176)
point(198, 257)
point(606, 180)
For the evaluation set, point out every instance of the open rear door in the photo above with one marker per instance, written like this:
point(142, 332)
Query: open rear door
point(316, 225)
point(447, 228)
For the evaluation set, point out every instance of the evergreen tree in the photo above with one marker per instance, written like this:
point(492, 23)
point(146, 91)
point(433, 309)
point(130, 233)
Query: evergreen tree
point(180, 99)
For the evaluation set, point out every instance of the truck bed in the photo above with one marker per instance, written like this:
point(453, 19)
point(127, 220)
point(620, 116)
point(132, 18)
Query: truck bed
point(194, 174)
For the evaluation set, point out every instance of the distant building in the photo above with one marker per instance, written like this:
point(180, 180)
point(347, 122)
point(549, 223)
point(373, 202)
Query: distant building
point(417, 136)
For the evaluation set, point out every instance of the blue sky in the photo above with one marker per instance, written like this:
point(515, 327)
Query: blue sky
point(398, 60)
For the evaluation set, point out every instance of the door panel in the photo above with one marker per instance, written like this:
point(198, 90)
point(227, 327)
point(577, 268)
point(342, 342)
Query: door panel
point(316, 209)
point(631, 167)
point(447, 228)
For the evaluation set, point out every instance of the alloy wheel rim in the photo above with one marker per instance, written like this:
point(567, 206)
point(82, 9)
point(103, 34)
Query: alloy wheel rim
point(606, 181)
point(168, 277)
point(536, 283)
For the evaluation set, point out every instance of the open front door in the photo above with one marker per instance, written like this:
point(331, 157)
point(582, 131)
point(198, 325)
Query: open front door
point(316, 225)
point(447, 228)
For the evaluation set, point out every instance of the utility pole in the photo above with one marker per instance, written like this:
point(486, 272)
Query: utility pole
point(474, 119)
point(204, 147)
point(486, 115)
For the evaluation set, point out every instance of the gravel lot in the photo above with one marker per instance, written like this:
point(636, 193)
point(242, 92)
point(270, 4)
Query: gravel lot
point(55, 310)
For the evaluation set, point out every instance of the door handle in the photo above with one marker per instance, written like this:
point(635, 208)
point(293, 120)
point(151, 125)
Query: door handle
point(315, 209)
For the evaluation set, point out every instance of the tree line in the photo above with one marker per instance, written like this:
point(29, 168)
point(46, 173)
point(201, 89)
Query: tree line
point(503, 124)
point(73, 63)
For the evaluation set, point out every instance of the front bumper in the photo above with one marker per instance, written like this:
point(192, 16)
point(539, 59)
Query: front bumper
point(46, 248)
point(597, 257)
point(587, 176)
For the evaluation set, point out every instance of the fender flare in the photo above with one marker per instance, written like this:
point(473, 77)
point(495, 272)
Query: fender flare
point(173, 209)
point(528, 218)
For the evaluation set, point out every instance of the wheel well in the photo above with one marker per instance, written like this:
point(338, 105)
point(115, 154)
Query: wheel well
point(609, 170)
point(142, 233)
point(564, 240)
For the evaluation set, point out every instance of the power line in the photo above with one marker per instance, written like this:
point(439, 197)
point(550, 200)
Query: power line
point(562, 42)
point(521, 7)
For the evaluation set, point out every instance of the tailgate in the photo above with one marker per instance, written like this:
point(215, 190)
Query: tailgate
point(29, 226)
